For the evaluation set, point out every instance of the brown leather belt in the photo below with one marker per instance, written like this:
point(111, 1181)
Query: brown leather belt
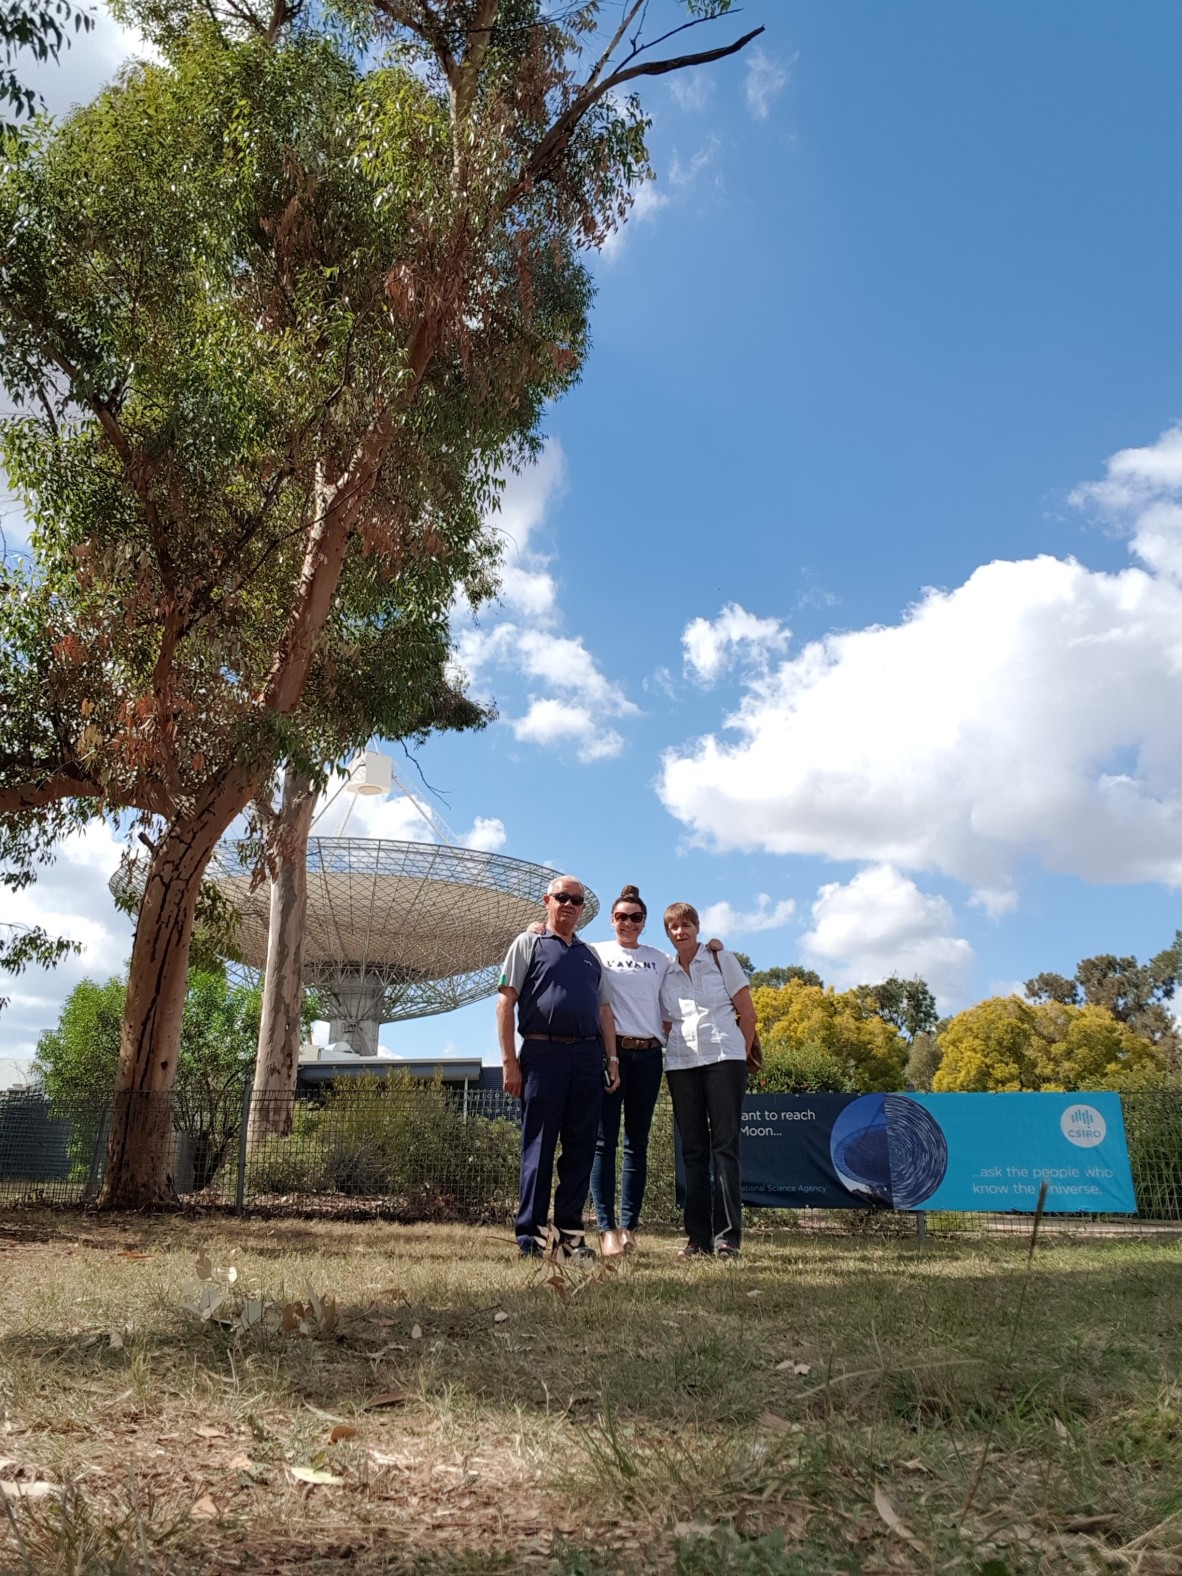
point(563, 1039)
point(632, 1042)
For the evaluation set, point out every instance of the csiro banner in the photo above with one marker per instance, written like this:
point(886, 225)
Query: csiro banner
point(936, 1151)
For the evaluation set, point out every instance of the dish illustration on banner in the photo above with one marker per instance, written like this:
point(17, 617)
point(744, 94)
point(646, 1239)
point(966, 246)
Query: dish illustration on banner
point(888, 1151)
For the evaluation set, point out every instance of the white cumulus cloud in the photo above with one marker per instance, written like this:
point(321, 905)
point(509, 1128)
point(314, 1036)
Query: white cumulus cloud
point(711, 646)
point(487, 833)
point(880, 924)
point(571, 702)
point(1142, 493)
point(722, 919)
point(1034, 711)
point(554, 722)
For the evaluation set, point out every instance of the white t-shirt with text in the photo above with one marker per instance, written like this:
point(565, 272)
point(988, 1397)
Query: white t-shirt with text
point(636, 975)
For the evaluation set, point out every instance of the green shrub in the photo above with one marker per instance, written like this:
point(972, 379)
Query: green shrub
point(805, 1069)
point(409, 1141)
point(295, 1164)
point(1152, 1104)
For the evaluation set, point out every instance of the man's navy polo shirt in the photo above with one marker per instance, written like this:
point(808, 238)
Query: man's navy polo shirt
point(559, 988)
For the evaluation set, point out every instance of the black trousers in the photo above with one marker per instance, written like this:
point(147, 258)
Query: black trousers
point(708, 1108)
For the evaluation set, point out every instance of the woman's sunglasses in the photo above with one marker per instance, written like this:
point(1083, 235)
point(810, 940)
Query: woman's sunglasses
point(629, 919)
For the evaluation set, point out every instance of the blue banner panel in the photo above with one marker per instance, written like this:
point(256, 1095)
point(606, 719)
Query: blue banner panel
point(1005, 1145)
point(936, 1151)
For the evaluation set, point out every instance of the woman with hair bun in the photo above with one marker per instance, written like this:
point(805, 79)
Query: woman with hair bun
point(636, 973)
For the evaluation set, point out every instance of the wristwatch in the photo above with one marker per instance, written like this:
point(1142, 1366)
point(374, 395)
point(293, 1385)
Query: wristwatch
point(613, 1059)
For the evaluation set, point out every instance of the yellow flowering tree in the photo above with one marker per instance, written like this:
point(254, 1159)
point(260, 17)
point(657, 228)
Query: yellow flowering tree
point(799, 1018)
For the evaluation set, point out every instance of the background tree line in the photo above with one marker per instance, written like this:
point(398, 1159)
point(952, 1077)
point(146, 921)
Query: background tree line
point(1107, 1026)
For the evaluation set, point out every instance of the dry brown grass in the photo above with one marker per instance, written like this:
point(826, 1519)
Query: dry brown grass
point(818, 1406)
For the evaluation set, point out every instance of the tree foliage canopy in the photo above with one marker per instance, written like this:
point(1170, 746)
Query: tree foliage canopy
point(908, 1004)
point(840, 1025)
point(783, 974)
point(1134, 993)
point(1009, 1044)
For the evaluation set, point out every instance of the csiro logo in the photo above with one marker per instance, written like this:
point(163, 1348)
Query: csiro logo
point(1083, 1125)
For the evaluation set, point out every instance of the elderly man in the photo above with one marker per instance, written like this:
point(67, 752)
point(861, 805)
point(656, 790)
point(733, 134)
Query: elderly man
point(568, 1053)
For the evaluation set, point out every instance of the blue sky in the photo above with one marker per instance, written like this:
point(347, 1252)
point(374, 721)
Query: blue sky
point(847, 599)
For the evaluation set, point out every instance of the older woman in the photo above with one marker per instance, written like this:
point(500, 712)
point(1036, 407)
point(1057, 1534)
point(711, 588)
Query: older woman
point(707, 1003)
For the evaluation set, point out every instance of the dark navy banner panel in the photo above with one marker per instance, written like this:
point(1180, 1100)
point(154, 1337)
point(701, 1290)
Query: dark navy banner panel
point(936, 1151)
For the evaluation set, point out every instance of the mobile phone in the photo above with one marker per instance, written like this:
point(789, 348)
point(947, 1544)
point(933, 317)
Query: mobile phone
point(607, 1076)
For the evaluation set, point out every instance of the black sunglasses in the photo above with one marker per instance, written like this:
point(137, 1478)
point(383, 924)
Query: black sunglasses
point(566, 897)
point(630, 919)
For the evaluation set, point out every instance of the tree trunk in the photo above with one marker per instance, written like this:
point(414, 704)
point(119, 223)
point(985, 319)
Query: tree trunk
point(279, 1030)
point(140, 1150)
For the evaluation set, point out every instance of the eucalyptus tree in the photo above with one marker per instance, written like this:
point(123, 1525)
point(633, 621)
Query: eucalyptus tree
point(275, 310)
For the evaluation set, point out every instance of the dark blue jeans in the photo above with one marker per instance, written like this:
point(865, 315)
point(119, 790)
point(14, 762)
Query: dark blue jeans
point(635, 1099)
point(561, 1093)
point(708, 1108)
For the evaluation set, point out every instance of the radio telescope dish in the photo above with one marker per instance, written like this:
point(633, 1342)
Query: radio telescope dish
point(394, 930)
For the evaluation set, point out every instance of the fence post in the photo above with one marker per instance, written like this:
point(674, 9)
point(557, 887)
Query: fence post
point(244, 1128)
point(921, 1226)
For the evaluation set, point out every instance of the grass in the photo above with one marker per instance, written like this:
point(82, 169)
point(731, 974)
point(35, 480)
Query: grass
point(820, 1406)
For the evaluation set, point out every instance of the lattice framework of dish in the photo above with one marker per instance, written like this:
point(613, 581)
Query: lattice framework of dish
point(427, 922)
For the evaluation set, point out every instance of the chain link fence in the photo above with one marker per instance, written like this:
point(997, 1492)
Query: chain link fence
point(410, 1150)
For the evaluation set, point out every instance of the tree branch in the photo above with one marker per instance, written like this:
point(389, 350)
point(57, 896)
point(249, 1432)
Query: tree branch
point(555, 141)
point(35, 796)
point(478, 41)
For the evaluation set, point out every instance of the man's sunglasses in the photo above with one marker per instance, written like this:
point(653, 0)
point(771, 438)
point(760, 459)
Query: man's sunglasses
point(629, 919)
point(562, 898)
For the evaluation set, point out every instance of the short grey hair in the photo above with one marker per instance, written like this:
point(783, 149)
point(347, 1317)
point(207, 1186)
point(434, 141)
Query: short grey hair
point(558, 881)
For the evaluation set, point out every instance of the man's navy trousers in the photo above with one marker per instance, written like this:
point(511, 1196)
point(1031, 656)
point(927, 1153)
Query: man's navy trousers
point(561, 1097)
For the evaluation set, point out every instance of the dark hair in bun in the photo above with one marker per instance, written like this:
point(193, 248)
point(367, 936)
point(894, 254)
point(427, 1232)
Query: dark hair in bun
point(629, 894)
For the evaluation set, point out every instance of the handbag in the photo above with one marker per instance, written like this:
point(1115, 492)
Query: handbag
point(755, 1049)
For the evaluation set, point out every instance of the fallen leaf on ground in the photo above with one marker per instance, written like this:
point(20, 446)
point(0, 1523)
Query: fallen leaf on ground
point(499, 1318)
point(314, 1475)
point(779, 1425)
point(755, 1293)
point(693, 1529)
point(205, 1509)
point(208, 1431)
point(241, 1464)
point(115, 1340)
point(342, 1431)
point(894, 1521)
point(203, 1267)
point(12, 1490)
point(129, 1253)
point(388, 1398)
